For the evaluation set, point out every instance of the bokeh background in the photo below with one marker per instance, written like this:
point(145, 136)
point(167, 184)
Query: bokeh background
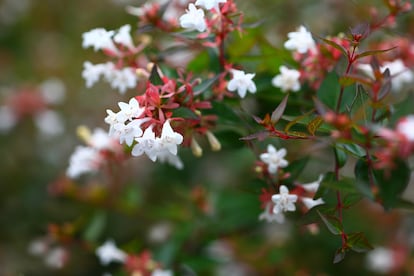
point(201, 220)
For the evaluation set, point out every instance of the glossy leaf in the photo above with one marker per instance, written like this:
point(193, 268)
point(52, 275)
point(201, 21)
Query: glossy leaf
point(314, 125)
point(340, 156)
point(358, 242)
point(332, 223)
point(334, 44)
point(374, 52)
point(339, 255)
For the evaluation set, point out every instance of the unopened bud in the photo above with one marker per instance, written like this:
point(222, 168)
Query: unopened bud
point(258, 169)
point(195, 148)
point(214, 142)
point(146, 39)
point(84, 133)
point(142, 73)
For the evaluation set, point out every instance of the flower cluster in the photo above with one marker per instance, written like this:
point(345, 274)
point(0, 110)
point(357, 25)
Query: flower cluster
point(135, 264)
point(37, 103)
point(100, 149)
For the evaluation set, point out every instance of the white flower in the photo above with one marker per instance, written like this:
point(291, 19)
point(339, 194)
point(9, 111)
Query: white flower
point(406, 127)
point(167, 157)
point(99, 39)
point(274, 159)
point(49, 123)
point(169, 138)
point(56, 258)
point(241, 82)
point(100, 140)
point(53, 91)
point(83, 160)
point(288, 80)
point(209, 4)
point(160, 272)
point(284, 201)
point(129, 110)
point(8, 118)
point(312, 187)
point(300, 41)
point(92, 72)
point(193, 19)
point(380, 260)
point(310, 202)
point(123, 37)
point(146, 144)
point(108, 252)
point(122, 79)
point(269, 216)
point(127, 133)
point(400, 74)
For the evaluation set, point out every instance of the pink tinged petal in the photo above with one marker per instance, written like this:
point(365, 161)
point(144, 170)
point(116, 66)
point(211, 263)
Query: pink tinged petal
point(283, 190)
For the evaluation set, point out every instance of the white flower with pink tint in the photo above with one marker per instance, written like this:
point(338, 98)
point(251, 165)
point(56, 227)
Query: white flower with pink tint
point(300, 41)
point(406, 127)
point(99, 39)
point(287, 80)
point(210, 4)
point(193, 19)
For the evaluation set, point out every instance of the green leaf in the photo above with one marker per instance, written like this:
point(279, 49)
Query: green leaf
point(205, 85)
point(373, 52)
point(358, 242)
point(339, 255)
point(154, 76)
point(95, 227)
point(184, 112)
point(332, 223)
point(351, 199)
point(392, 183)
point(312, 216)
point(362, 179)
point(340, 156)
point(334, 44)
point(329, 90)
point(296, 167)
point(345, 184)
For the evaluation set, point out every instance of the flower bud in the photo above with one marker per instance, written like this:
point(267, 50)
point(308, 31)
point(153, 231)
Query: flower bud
point(214, 143)
point(84, 133)
point(195, 148)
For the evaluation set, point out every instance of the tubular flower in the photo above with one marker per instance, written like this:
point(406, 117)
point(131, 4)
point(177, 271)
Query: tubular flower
point(288, 80)
point(241, 82)
point(193, 19)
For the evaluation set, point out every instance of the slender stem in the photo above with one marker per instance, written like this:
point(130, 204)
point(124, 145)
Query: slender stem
point(351, 60)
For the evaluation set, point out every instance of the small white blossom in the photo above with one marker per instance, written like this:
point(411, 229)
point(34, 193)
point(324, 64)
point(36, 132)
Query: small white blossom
point(123, 37)
point(99, 39)
point(310, 202)
point(274, 159)
point(167, 157)
point(193, 19)
point(8, 118)
point(146, 144)
point(300, 41)
point(380, 260)
point(100, 140)
point(130, 131)
point(406, 127)
point(129, 110)
point(53, 91)
point(49, 123)
point(312, 187)
point(160, 272)
point(169, 138)
point(241, 82)
point(269, 216)
point(210, 4)
point(83, 160)
point(284, 201)
point(92, 72)
point(56, 258)
point(288, 80)
point(108, 252)
point(122, 79)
